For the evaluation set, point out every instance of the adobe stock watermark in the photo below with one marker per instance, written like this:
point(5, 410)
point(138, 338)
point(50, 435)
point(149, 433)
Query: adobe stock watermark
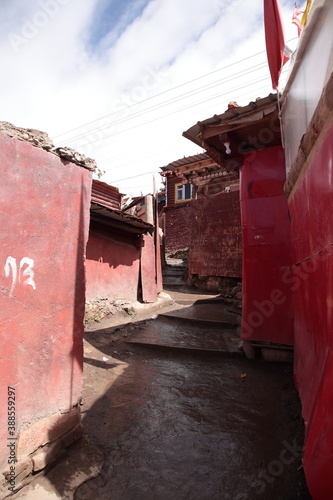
point(121, 110)
point(39, 20)
point(293, 276)
point(263, 139)
point(288, 455)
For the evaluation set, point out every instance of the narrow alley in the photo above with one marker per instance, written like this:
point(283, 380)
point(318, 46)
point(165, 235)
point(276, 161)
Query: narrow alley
point(182, 414)
point(188, 417)
point(167, 251)
point(174, 410)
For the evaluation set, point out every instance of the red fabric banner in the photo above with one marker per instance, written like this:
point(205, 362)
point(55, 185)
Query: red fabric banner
point(274, 40)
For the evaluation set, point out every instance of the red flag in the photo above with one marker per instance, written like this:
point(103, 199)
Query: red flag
point(274, 40)
point(296, 20)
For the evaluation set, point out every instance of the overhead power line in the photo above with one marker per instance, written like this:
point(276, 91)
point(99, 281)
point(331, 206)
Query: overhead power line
point(169, 90)
point(164, 92)
point(170, 101)
point(103, 161)
point(179, 110)
point(135, 176)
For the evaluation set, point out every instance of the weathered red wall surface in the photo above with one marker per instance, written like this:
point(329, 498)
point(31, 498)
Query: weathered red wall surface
point(177, 227)
point(267, 308)
point(44, 219)
point(311, 281)
point(216, 239)
point(112, 265)
point(148, 269)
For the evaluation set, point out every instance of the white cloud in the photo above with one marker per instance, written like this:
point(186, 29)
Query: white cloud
point(57, 80)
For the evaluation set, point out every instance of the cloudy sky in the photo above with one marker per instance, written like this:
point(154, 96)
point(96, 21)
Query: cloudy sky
point(121, 80)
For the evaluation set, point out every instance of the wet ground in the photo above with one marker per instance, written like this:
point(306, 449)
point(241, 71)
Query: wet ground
point(173, 410)
point(179, 413)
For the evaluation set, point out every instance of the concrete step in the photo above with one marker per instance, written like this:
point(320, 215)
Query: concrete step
point(174, 276)
point(173, 270)
point(170, 280)
point(205, 313)
point(174, 287)
point(165, 333)
point(191, 295)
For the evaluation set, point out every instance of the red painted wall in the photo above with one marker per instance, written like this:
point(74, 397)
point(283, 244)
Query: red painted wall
point(216, 237)
point(267, 306)
point(44, 219)
point(311, 281)
point(148, 269)
point(112, 265)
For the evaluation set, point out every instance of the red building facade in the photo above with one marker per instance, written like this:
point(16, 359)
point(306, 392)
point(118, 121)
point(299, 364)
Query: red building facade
point(202, 213)
point(307, 123)
point(44, 218)
point(117, 248)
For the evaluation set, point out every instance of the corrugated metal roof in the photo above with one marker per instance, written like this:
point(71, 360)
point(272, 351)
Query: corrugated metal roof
point(105, 194)
point(106, 185)
point(116, 218)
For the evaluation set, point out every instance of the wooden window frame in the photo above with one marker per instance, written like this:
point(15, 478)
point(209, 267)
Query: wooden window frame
point(183, 186)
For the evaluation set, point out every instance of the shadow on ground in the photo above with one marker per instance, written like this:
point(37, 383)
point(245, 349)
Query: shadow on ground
point(194, 424)
point(189, 425)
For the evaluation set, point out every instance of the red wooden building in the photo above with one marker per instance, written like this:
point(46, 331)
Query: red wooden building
point(248, 138)
point(202, 213)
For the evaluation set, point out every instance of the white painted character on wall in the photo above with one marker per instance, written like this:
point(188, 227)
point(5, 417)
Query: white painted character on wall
point(11, 267)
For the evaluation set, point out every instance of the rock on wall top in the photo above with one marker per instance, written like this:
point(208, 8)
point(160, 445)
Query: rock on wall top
point(42, 140)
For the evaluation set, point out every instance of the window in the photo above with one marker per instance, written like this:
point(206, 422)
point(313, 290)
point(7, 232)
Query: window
point(183, 192)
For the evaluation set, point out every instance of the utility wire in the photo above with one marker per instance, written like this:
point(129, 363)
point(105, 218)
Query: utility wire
point(247, 85)
point(165, 92)
point(139, 175)
point(171, 101)
point(172, 89)
point(179, 110)
point(103, 160)
point(135, 176)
